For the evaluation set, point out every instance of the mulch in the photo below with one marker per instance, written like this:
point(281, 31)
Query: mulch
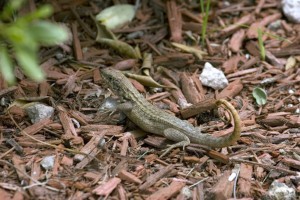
point(99, 155)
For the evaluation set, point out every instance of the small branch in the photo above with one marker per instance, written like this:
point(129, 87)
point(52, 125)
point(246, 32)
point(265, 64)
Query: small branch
point(269, 167)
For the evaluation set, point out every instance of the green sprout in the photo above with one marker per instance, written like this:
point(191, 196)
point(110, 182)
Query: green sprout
point(21, 37)
point(261, 44)
point(260, 96)
point(205, 13)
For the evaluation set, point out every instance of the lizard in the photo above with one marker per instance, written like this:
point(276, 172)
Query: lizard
point(154, 120)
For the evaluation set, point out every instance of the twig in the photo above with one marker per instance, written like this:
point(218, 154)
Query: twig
point(236, 160)
point(7, 152)
point(47, 144)
point(36, 183)
point(198, 182)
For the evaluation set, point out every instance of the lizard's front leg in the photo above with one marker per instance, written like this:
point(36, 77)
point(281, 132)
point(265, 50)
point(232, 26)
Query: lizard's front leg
point(125, 106)
point(176, 136)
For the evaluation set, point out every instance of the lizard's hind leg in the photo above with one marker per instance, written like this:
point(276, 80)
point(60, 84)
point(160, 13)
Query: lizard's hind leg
point(176, 136)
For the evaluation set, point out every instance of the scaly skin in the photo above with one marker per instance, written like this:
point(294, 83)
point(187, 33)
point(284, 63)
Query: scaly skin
point(151, 119)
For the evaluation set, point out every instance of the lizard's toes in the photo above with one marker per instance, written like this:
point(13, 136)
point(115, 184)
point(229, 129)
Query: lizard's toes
point(166, 151)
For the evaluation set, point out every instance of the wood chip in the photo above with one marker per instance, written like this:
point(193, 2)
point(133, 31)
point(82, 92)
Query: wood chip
point(223, 189)
point(124, 175)
point(106, 188)
point(155, 177)
point(167, 192)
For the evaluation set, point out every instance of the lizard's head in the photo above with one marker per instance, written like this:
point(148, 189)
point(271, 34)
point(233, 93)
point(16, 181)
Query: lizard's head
point(111, 76)
point(115, 79)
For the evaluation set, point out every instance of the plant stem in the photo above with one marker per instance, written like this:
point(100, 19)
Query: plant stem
point(205, 13)
point(261, 44)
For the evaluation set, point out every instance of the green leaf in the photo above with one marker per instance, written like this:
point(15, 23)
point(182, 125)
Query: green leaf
point(260, 96)
point(19, 35)
point(6, 66)
point(48, 33)
point(119, 46)
point(28, 61)
point(104, 32)
point(14, 34)
point(146, 80)
point(15, 4)
point(10, 8)
point(116, 16)
point(197, 52)
point(42, 12)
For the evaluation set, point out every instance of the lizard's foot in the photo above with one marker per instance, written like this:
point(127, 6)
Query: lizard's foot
point(166, 151)
point(175, 135)
point(108, 107)
point(173, 146)
point(110, 111)
point(107, 115)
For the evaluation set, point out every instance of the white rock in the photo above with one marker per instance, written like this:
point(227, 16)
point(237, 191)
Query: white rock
point(291, 9)
point(39, 111)
point(48, 162)
point(281, 191)
point(213, 77)
point(186, 192)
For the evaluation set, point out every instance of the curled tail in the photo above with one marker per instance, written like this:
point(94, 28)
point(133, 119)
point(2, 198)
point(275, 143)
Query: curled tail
point(228, 140)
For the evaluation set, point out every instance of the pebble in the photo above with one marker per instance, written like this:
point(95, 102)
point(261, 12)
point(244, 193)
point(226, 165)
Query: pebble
point(212, 77)
point(281, 191)
point(39, 111)
point(48, 162)
point(291, 9)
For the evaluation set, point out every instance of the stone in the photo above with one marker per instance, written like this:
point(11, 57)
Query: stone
point(291, 9)
point(280, 191)
point(212, 77)
point(48, 162)
point(39, 111)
